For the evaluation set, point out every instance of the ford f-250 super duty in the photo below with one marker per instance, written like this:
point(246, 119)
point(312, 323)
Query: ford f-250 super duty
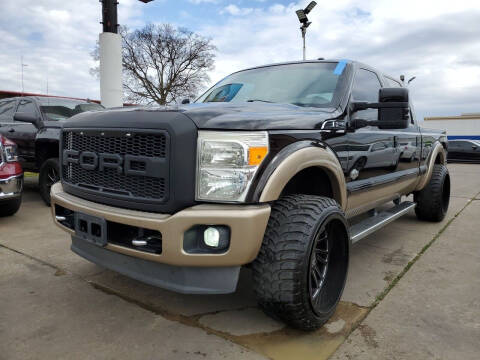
point(270, 169)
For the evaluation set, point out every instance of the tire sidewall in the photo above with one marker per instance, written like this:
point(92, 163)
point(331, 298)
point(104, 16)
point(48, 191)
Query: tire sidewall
point(444, 207)
point(46, 166)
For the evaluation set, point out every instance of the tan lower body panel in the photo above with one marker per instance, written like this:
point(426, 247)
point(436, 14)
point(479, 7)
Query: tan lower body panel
point(363, 201)
point(247, 226)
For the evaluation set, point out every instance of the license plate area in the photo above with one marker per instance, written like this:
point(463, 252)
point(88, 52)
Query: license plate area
point(91, 228)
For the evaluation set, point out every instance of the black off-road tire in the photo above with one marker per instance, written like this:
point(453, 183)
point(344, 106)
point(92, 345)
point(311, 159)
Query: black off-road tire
point(432, 201)
point(10, 207)
point(49, 174)
point(282, 272)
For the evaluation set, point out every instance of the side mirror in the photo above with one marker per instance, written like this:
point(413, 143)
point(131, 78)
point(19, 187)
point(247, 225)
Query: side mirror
point(393, 109)
point(27, 117)
point(186, 101)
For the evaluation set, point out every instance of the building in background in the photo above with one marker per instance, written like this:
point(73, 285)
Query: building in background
point(465, 126)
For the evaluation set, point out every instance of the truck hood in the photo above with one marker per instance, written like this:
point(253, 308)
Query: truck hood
point(212, 116)
point(256, 116)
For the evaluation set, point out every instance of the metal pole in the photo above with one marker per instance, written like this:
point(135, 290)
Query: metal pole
point(304, 31)
point(22, 65)
point(109, 16)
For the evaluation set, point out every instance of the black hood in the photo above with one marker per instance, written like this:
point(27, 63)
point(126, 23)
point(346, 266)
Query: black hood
point(257, 116)
point(218, 116)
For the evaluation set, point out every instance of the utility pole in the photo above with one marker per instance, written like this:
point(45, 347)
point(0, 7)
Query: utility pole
point(111, 93)
point(22, 65)
point(110, 41)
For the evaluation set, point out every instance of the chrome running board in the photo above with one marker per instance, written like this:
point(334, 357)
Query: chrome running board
point(376, 222)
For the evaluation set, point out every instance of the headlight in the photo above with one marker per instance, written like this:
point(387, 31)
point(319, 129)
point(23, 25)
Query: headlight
point(227, 163)
point(10, 153)
point(8, 150)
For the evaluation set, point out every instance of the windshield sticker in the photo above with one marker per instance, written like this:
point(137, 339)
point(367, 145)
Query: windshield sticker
point(340, 66)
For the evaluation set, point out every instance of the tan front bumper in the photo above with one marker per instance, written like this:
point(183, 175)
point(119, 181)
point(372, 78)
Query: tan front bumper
point(247, 226)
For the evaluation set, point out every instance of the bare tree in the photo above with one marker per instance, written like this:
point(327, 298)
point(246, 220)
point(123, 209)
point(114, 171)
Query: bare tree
point(163, 64)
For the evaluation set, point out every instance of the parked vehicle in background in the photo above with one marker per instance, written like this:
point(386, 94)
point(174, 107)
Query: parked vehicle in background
point(11, 178)
point(34, 123)
point(255, 173)
point(464, 150)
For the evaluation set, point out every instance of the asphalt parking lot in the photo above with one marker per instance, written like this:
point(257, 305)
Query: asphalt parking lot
point(412, 292)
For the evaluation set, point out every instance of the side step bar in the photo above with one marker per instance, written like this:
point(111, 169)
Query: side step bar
point(374, 223)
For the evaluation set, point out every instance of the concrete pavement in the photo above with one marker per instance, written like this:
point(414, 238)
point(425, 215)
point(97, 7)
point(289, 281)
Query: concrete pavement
point(434, 311)
point(75, 306)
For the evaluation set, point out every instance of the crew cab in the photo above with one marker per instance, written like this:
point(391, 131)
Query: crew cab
point(33, 123)
point(263, 171)
point(11, 178)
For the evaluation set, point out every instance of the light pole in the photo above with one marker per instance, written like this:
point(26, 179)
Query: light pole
point(22, 66)
point(302, 17)
point(111, 92)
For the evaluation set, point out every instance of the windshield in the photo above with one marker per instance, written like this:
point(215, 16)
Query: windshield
point(60, 109)
point(304, 84)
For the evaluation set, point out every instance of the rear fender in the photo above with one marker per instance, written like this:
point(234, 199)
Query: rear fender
point(438, 151)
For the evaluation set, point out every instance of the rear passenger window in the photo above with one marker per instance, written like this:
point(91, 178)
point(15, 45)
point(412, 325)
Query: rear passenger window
point(366, 86)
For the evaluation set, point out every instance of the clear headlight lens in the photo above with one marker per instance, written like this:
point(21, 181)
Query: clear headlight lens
point(227, 163)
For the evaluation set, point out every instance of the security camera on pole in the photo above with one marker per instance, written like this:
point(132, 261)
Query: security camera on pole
point(302, 17)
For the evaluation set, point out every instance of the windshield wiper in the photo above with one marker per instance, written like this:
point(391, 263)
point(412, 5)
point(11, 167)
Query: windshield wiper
point(260, 100)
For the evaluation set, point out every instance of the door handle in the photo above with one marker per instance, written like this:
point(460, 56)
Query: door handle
point(11, 130)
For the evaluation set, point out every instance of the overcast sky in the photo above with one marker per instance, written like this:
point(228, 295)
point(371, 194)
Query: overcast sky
point(436, 41)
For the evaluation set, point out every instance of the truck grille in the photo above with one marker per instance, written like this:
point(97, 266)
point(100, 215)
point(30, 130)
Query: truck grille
point(145, 178)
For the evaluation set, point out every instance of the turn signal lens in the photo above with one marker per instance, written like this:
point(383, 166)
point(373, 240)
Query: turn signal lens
point(256, 155)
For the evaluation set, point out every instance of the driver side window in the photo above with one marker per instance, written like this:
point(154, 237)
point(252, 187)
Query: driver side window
point(366, 88)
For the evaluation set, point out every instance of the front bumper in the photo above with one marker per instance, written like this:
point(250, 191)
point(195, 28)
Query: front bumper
point(247, 225)
point(11, 187)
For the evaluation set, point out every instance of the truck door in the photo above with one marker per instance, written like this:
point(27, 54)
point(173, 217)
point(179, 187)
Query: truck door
point(392, 156)
point(23, 134)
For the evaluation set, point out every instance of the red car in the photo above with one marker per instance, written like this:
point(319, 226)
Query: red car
point(11, 178)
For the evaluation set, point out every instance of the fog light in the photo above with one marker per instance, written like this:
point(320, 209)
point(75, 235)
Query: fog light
point(207, 239)
point(211, 237)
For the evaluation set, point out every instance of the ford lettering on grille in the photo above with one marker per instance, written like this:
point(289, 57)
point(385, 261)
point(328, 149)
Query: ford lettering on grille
point(128, 164)
point(117, 163)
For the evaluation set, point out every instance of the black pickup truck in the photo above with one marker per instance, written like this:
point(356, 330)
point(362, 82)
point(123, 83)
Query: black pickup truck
point(33, 123)
point(279, 168)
